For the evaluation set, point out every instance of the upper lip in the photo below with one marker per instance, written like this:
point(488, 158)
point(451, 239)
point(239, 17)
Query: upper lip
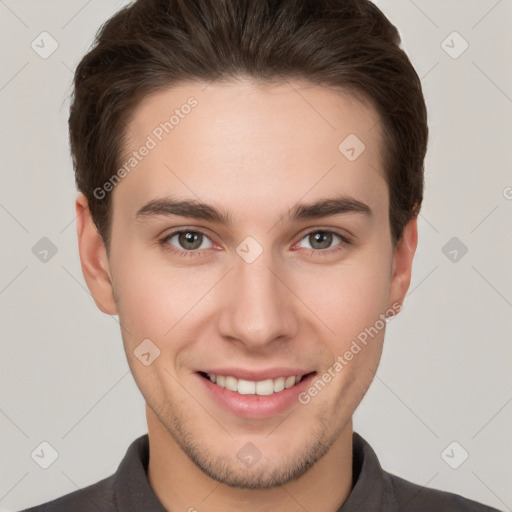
point(257, 375)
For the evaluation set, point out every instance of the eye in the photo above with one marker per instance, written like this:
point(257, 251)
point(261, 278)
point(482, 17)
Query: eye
point(189, 242)
point(185, 241)
point(321, 240)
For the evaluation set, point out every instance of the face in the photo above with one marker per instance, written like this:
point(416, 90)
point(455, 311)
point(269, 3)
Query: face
point(280, 275)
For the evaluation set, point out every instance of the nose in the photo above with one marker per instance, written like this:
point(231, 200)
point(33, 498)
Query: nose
point(257, 305)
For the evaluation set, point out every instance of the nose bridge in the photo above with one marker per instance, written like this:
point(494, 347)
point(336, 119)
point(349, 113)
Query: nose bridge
point(257, 309)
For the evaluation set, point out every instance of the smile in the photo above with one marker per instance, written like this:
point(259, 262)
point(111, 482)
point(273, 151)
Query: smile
point(247, 387)
point(255, 394)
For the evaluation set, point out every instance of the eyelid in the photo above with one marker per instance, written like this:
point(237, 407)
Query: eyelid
point(184, 229)
point(346, 240)
point(343, 233)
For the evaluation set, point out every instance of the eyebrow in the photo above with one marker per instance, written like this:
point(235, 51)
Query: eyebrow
point(169, 206)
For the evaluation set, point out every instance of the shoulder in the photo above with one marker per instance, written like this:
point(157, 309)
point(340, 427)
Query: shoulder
point(126, 489)
point(97, 496)
point(412, 497)
point(377, 489)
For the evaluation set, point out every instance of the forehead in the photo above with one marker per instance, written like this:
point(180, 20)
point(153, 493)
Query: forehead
point(268, 144)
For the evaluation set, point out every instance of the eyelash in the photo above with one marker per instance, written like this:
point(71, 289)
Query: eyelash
point(164, 242)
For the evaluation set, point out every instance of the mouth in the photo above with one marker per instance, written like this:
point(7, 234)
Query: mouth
point(265, 387)
point(258, 398)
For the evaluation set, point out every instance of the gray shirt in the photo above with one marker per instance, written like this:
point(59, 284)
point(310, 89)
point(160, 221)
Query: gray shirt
point(128, 489)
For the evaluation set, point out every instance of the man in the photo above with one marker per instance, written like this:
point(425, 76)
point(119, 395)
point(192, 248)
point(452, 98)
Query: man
point(250, 175)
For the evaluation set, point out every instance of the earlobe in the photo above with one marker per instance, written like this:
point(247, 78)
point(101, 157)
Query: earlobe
point(93, 258)
point(403, 256)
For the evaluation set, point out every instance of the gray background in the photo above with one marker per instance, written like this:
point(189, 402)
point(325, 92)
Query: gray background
point(445, 372)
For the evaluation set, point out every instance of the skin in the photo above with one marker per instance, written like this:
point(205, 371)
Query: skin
point(255, 151)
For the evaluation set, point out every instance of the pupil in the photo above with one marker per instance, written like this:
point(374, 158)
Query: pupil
point(189, 238)
point(324, 239)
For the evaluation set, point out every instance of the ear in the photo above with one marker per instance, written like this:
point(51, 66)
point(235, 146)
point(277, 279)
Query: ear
point(403, 255)
point(93, 257)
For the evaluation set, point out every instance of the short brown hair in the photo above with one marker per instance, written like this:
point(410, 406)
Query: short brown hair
point(152, 45)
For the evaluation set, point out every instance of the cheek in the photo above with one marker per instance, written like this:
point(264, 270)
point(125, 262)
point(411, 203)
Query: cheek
point(349, 297)
point(154, 296)
point(154, 304)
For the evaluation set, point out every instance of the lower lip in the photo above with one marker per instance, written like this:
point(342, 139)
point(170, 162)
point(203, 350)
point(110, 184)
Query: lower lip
point(256, 406)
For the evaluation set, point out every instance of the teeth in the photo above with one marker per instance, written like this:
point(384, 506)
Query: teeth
point(290, 381)
point(246, 387)
point(279, 384)
point(265, 387)
point(231, 384)
point(249, 387)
